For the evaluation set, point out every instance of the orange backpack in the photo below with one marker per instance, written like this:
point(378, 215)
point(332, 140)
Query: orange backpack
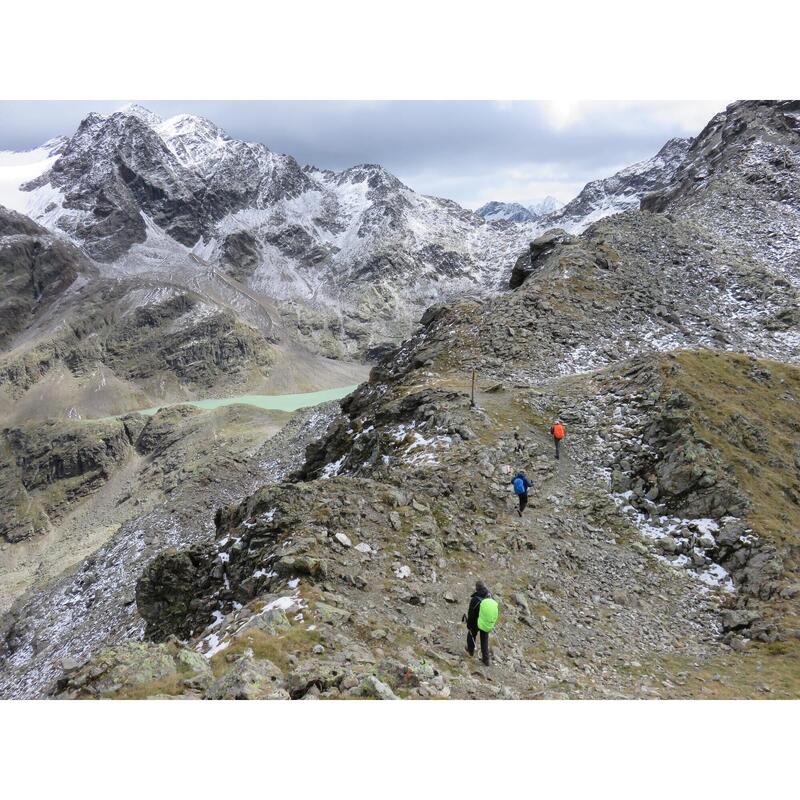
point(558, 431)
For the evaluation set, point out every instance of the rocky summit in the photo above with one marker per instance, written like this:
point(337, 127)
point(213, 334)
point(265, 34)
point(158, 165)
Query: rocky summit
point(332, 553)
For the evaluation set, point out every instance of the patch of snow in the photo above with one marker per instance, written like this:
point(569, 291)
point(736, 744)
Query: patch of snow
point(262, 573)
point(19, 168)
point(211, 645)
point(332, 469)
point(718, 577)
point(284, 603)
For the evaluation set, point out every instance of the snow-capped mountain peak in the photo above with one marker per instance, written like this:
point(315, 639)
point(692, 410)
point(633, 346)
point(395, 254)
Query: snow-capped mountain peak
point(546, 206)
point(193, 140)
point(623, 190)
point(495, 211)
point(516, 212)
point(142, 113)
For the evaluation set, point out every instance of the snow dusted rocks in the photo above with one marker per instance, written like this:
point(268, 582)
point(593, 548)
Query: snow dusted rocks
point(622, 191)
point(679, 452)
point(94, 604)
point(740, 179)
point(150, 195)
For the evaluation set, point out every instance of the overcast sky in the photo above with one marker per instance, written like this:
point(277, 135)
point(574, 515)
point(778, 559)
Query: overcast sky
point(471, 151)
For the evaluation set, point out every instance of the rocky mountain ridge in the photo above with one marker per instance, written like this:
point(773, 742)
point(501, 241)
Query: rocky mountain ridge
point(287, 262)
point(130, 185)
point(621, 191)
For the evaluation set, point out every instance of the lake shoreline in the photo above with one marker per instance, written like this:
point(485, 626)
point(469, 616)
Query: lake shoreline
point(267, 402)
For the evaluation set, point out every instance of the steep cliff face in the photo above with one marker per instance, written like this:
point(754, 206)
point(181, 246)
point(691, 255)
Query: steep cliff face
point(48, 466)
point(121, 343)
point(36, 269)
point(116, 173)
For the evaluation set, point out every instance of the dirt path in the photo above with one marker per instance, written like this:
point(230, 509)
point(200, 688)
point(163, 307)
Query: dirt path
point(589, 612)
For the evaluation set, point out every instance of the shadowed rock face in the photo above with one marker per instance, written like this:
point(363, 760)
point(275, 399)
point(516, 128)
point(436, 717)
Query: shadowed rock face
point(175, 335)
point(540, 247)
point(168, 590)
point(46, 467)
point(116, 169)
point(241, 254)
point(35, 269)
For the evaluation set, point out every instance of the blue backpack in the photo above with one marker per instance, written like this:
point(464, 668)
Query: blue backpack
point(519, 485)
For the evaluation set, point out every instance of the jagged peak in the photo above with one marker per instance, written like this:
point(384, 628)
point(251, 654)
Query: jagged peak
point(547, 205)
point(189, 124)
point(373, 173)
point(496, 210)
point(144, 114)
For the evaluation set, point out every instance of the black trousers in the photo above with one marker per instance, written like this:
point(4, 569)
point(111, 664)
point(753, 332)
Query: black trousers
point(523, 501)
point(484, 636)
point(558, 447)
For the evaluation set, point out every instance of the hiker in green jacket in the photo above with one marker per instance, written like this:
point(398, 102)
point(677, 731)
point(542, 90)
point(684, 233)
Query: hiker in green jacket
point(481, 618)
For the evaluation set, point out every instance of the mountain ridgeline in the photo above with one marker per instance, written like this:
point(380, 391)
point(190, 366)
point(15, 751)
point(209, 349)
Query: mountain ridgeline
point(236, 554)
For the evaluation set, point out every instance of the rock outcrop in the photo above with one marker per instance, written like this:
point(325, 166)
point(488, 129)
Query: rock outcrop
point(36, 268)
point(45, 467)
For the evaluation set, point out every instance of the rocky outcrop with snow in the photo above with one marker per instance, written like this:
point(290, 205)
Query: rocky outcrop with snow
point(741, 179)
point(622, 191)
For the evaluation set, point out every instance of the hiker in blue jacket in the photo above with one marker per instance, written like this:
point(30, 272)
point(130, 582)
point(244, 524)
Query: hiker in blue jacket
point(521, 485)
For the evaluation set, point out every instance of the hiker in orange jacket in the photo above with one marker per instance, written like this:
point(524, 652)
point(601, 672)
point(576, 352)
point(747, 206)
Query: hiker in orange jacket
point(557, 432)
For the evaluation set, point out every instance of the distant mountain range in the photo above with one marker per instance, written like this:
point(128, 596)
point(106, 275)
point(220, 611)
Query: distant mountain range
point(599, 198)
point(212, 236)
point(516, 212)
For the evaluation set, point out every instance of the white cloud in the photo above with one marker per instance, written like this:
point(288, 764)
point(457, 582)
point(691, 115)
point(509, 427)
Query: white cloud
point(561, 114)
point(524, 183)
point(626, 116)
